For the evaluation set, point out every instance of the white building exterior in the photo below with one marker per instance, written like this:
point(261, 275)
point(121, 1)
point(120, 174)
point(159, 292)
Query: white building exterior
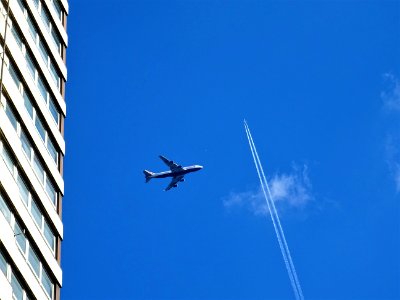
point(32, 146)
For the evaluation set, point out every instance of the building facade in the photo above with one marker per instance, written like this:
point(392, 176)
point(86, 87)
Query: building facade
point(33, 42)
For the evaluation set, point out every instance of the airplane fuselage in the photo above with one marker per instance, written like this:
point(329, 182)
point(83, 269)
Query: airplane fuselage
point(181, 172)
point(177, 172)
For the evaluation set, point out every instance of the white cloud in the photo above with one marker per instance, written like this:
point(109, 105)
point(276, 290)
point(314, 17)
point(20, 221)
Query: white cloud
point(291, 190)
point(251, 200)
point(391, 103)
point(393, 158)
point(391, 97)
point(397, 178)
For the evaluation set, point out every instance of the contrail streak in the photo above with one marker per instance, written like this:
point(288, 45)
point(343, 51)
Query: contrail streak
point(275, 219)
point(275, 213)
point(292, 281)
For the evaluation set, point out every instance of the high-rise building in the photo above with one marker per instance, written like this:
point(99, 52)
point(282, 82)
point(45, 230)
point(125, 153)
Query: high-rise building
point(33, 43)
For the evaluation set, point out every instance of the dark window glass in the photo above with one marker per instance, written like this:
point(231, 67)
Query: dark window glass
point(47, 284)
point(20, 236)
point(42, 89)
point(17, 290)
point(43, 52)
point(28, 105)
point(16, 36)
point(4, 209)
point(32, 28)
point(26, 145)
point(14, 75)
point(23, 190)
point(53, 110)
point(52, 150)
point(3, 264)
point(49, 235)
point(31, 65)
point(11, 116)
point(37, 166)
point(37, 215)
point(40, 128)
point(34, 262)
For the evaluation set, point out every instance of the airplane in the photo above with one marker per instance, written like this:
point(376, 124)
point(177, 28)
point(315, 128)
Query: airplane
point(177, 172)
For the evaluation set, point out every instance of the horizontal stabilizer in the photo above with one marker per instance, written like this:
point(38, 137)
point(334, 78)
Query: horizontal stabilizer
point(148, 175)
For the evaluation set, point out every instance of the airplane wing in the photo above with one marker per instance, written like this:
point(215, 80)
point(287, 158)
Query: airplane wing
point(174, 182)
point(173, 166)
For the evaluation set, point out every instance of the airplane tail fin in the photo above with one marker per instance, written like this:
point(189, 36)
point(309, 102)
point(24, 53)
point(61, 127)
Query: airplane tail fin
point(148, 175)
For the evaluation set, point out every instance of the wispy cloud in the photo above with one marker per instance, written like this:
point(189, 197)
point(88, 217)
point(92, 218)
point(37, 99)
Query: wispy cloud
point(391, 103)
point(293, 188)
point(288, 190)
point(252, 200)
point(393, 158)
point(397, 178)
point(391, 96)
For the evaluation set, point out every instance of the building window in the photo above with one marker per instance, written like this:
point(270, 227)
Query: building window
point(37, 78)
point(17, 290)
point(47, 140)
point(37, 166)
point(21, 5)
point(36, 213)
point(11, 116)
point(52, 150)
point(43, 53)
point(32, 28)
point(31, 203)
point(23, 190)
point(51, 192)
point(40, 129)
point(26, 146)
point(45, 18)
point(42, 132)
point(14, 75)
point(34, 262)
point(17, 37)
point(28, 104)
point(34, 161)
point(5, 210)
point(49, 236)
point(56, 41)
point(47, 284)
point(20, 237)
point(30, 256)
point(54, 75)
point(31, 66)
point(42, 89)
point(3, 263)
point(8, 160)
point(57, 8)
point(54, 111)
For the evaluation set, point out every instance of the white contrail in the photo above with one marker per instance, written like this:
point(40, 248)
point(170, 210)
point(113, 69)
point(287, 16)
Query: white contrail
point(277, 231)
point(281, 246)
point(275, 213)
point(275, 219)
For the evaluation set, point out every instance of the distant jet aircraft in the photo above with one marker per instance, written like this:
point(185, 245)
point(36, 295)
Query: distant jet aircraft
point(177, 173)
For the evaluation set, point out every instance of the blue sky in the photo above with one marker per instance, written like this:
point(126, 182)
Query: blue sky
point(317, 81)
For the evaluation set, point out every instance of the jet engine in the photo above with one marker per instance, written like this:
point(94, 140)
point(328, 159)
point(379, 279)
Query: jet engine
point(175, 185)
point(182, 180)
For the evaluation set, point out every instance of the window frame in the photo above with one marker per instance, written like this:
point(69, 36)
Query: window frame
point(42, 228)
